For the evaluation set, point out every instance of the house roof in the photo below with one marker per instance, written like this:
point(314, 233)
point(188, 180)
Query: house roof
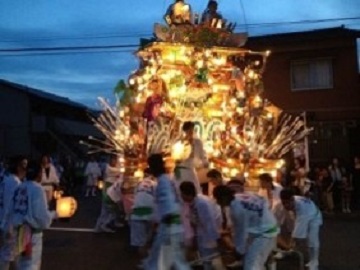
point(318, 34)
point(43, 95)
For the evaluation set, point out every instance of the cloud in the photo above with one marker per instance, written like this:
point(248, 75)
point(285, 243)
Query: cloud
point(85, 76)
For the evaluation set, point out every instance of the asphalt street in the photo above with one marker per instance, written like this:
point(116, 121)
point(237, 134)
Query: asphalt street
point(72, 244)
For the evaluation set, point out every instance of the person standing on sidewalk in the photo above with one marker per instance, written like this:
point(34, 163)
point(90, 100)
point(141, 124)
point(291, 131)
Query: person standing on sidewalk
point(49, 177)
point(30, 216)
point(8, 186)
point(92, 173)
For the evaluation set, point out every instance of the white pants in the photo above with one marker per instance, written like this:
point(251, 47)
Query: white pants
point(32, 262)
point(167, 252)
point(7, 250)
point(189, 175)
point(258, 252)
point(140, 232)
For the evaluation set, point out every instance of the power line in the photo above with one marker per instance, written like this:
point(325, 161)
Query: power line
point(85, 37)
point(50, 49)
point(64, 53)
point(139, 34)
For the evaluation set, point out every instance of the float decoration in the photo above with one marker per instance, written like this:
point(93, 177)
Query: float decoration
point(198, 72)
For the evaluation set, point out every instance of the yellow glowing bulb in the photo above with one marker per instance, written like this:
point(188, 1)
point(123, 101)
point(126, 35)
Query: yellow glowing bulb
point(251, 74)
point(139, 174)
point(225, 170)
point(234, 172)
point(199, 63)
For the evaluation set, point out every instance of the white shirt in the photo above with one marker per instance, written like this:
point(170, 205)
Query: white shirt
point(93, 170)
point(206, 215)
point(250, 214)
point(112, 174)
point(305, 212)
point(144, 201)
point(168, 202)
point(7, 188)
point(275, 195)
point(52, 178)
point(30, 206)
point(197, 156)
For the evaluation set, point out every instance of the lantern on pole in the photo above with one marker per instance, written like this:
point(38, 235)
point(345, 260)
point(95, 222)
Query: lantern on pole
point(66, 207)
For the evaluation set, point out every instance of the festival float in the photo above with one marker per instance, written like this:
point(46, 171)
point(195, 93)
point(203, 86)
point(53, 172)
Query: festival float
point(196, 69)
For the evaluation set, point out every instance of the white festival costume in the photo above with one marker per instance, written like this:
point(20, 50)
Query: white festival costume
point(187, 168)
point(7, 188)
point(92, 172)
point(143, 212)
point(30, 209)
point(207, 221)
point(144, 202)
point(167, 249)
point(253, 222)
point(48, 180)
point(308, 220)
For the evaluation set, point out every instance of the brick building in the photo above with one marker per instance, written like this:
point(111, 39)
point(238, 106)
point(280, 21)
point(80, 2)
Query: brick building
point(317, 72)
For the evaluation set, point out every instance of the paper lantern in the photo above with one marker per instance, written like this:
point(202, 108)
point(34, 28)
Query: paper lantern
point(66, 207)
point(100, 184)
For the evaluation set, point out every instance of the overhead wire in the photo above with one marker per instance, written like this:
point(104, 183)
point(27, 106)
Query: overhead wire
point(139, 34)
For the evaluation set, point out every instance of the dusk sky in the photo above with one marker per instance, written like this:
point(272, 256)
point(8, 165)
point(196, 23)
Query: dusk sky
point(84, 75)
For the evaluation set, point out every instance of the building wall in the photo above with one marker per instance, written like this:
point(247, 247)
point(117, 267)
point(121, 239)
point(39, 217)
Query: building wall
point(14, 123)
point(333, 113)
point(345, 94)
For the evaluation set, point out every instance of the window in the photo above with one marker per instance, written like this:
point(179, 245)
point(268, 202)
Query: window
point(311, 74)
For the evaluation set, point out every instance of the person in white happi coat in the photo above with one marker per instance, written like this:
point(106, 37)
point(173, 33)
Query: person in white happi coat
point(167, 251)
point(270, 190)
point(254, 226)
point(206, 220)
point(143, 216)
point(7, 188)
point(109, 208)
point(186, 169)
point(49, 177)
point(30, 216)
point(92, 174)
point(308, 220)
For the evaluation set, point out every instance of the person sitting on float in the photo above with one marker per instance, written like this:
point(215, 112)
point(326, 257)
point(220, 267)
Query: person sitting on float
point(178, 13)
point(211, 13)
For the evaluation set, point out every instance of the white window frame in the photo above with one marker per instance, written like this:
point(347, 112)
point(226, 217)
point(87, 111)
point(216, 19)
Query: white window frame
point(330, 85)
